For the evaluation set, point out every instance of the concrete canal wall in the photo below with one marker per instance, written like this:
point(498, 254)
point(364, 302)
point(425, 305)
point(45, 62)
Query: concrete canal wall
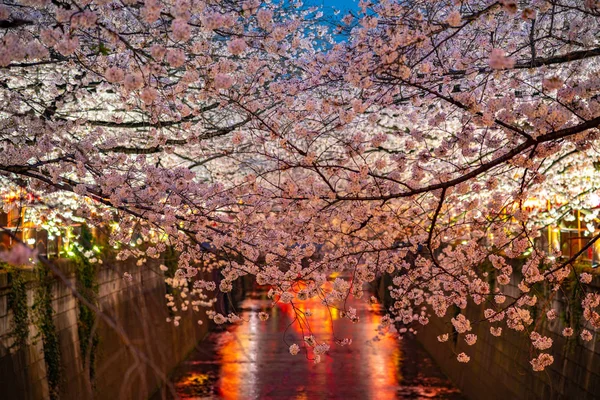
point(499, 368)
point(138, 307)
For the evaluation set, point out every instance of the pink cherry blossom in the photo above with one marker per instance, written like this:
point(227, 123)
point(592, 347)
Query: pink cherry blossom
point(294, 349)
point(19, 255)
point(499, 60)
point(223, 81)
point(441, 149)
point(237, 46)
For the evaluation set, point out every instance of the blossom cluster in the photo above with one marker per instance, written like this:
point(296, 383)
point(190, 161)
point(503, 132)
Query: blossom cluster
point(247, 139)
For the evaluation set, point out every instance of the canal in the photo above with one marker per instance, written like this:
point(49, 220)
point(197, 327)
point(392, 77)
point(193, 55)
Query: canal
point(252, 361)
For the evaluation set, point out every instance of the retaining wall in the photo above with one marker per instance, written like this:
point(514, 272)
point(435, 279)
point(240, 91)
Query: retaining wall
point(138, 307)
point(499, 367)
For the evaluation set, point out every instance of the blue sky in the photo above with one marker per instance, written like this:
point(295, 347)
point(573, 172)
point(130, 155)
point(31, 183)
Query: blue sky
point(342, 5)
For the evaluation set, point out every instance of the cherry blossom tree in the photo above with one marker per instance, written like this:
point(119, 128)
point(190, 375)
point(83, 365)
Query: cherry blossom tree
point(404, 143)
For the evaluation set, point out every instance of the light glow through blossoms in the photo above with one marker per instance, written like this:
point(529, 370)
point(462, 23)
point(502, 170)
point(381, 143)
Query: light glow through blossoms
point(440, 146)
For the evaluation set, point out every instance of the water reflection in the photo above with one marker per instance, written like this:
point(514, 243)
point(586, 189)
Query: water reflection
point(251, 360)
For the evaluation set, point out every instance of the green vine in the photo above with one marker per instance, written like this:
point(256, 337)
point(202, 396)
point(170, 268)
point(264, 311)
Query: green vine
point(574, 312)
point(17, 302)
point(86, 276)
point(45, 324)
point(171, 262)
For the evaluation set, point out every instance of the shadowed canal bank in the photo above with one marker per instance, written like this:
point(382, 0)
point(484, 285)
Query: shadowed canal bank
point(251, 360)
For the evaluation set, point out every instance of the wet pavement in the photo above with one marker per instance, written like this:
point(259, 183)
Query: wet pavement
point(251, 360)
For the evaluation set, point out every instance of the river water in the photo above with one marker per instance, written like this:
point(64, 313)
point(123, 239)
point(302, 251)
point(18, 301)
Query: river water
point(251, 360)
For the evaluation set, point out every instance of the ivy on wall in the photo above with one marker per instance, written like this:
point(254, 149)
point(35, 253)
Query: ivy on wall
point(573, 313)
point(42, 312)
point(87, 285)
point(47, 329)
point(17, 303)
point(171, 262)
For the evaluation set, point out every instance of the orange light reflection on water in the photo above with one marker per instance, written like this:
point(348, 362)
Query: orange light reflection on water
point(238, 356)
point(254, 350)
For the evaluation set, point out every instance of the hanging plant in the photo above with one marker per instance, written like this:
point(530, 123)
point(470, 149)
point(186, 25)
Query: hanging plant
point(17, 303)
point(45, 323)
point(87, 284)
